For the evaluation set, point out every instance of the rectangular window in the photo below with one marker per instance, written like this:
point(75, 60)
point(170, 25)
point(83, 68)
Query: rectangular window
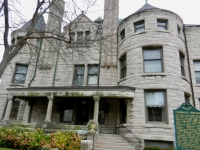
point(182, 58)
point(15, 108)
point(72, 37)
point(179, 30)
point(93, 71)
point(197, 71)
point(187, 98)
point(87, 36)
point(122, 34)
point(199, 102)
point(155, 106)
point(78, 74)
point(162, 24)
point(139, 26)
point(122, 66)
point(152, 60)
point(20, 74)
point(80, 37)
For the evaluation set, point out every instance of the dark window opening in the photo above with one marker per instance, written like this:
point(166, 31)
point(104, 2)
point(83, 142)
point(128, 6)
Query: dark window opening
point(162, 24)
point(139, 26)
point(122, 34)
point(15, 108)
point(182, 58)
point(122, 66)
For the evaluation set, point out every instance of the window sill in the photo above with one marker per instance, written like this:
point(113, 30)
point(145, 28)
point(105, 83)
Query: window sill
point(165, 31)
point(197, 84)
point(14, 84)
point(142, 32)
point(158, 125)
point(154, 74)
point(121, 80)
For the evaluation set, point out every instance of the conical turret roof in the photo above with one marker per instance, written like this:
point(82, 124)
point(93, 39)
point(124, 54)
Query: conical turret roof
point(39, 26)
point(146, 7)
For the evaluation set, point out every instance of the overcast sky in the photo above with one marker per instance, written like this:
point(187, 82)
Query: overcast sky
point(188, 10)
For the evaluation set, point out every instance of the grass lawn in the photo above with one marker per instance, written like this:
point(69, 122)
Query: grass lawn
point(1, 148)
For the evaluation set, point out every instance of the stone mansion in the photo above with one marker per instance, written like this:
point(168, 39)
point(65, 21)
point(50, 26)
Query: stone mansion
point(133, 71)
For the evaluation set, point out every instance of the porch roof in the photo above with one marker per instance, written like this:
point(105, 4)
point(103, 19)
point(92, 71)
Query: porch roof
point(74, 91)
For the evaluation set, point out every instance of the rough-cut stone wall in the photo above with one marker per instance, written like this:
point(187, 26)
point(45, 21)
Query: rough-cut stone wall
point(169, 80)
point(193, 43)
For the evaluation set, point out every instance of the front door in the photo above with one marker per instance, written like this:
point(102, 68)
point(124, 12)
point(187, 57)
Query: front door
point(83, 111)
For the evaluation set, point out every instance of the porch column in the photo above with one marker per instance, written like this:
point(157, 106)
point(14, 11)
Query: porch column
point(49, 109)
point(26, 113)
point(96, 108)
point(8, 109)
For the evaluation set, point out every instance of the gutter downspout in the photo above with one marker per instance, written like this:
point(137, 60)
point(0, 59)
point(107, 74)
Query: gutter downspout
point(191, 83)
point(54, 76)
point(38, 50)
point(99, 61)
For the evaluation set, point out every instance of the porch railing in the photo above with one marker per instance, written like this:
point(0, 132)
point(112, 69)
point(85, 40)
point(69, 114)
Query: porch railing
point(95, 134)
point(139, 140)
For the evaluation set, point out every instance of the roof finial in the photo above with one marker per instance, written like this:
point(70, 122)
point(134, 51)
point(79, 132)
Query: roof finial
point(146, 1)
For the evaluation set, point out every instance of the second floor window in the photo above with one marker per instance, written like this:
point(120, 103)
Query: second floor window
point(93, 71)
point(162, 24)
point(78, 74)
point(182, 64)
point(122, 66)
point(197, 71)
point(139, 26)
point(153, 60)
point(80, 37)
point(20, 74)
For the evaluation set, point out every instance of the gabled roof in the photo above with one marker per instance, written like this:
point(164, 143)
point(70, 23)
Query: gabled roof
point(146, 7)
point(39, 26)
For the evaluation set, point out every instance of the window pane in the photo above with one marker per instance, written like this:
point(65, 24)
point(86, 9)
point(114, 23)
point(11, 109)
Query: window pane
point(79, 70)
point(162, 27)
point(78, 79)
point(153, 66)
point(162, 23)
point(19, 78)
point(196, 65)
point(68, 115)
point(152, 54)
point(93, 69)
point(155, 114)
point(139, 29)
point(155, 99)
point(197, 76)
point(92, 79)
point(21, 69)
point(139, 25)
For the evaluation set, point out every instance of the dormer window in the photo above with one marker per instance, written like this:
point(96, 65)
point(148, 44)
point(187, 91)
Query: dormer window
point(72, 36)
point(162, 24)
point(139, 26)
point(87, 36)
point(80, 37)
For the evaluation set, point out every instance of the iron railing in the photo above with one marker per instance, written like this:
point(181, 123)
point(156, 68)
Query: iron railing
point(132, 133)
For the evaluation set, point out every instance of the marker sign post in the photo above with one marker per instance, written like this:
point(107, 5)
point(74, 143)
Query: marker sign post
point(187, 127)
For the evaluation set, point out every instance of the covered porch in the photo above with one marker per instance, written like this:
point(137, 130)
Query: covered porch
point(65, 106)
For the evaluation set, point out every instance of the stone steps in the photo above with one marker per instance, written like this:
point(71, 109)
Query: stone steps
point(111, 142)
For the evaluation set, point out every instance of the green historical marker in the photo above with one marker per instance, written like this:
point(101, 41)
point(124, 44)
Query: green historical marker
point(187, 127)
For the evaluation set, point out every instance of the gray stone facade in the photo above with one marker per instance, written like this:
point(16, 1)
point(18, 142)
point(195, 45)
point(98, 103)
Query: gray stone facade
point(49, 93)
